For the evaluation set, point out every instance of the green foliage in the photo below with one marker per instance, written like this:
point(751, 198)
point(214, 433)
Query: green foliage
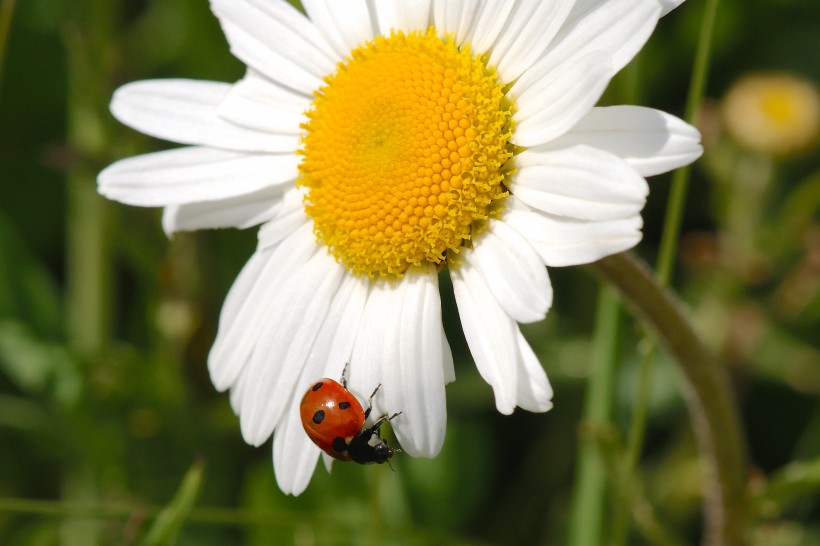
point(95, 441)
point(790, 484)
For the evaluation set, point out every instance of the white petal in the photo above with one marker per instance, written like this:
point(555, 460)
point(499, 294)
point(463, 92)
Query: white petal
point(294, 455)
point(513, 270)
point(414, 381)
point(650, 141)
point(490, 334)
point(533, 390)
point(448, 369)
point(193, 175)
point(618, 28)
point(390, 398)
point(488, 22)
point(553, 104)
point(241, 212)
point(528, 32)
point(263, 105)
point(334, 344)
point(376, 342)
point(290, 216)
point(563, 241)
point(184, 111)
point(454, 17)
point(241, 322)
point(466, 20)
point(503, 357)
point(401, 15)
point(235, 303)
point(579, 182)
point(277, 40)
point(295, 342)
point(669, 5)
point(235, 396)
point(345, 25)
point(328, 460)
point(290, 325)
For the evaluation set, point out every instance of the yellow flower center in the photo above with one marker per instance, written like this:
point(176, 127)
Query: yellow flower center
point(404, 153)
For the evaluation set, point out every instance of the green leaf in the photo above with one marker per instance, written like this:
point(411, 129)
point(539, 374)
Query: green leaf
point(793, 482)
point(27, 290)
point(37, 366)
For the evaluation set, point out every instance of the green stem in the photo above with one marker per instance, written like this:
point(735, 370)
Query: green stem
point(586, 519)
point(88, 36)
point(706, 391)
point(6, 13)
point(88, 43)
point(86, 323)
point(621, 518)
point(640, 414)
point(680, 179)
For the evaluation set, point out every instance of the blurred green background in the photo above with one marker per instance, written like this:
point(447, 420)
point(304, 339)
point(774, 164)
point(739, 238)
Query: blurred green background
point(105, 325)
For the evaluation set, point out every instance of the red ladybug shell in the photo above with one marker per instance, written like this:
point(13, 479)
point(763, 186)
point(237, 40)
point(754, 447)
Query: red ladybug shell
point(329, 411)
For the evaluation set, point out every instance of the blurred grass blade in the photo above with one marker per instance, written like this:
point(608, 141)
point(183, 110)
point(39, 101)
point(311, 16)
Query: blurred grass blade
point(680, 178)
point(589, 498)
point(166, 527)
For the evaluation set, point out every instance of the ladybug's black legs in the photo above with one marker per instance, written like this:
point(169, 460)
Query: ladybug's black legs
point(343, 379)
point(381, 421)
point(369, 408)
point(370, 401)
point(368, 447)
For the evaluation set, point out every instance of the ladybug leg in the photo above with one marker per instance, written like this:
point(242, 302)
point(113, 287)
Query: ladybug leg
point(343, 379)
point(370, 401)
point(382, 420)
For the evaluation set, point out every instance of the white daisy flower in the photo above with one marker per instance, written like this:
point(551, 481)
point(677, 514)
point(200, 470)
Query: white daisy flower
point(379, 143)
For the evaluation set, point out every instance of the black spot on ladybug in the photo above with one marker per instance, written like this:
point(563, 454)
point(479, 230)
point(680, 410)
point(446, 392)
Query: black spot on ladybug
point(319, 416)
point(317, 386)
point(339, 444)
point(344, 405)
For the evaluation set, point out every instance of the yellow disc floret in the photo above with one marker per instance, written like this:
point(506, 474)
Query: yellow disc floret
point(404, 153)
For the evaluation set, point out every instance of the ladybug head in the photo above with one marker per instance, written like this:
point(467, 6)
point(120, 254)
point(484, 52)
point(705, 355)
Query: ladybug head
point(367, 447)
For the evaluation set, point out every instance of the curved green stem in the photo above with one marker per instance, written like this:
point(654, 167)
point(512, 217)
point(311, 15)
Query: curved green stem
point(706, 390)
point(666, 261)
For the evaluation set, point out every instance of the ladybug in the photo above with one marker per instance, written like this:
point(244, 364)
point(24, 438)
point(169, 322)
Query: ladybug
point(335, 421)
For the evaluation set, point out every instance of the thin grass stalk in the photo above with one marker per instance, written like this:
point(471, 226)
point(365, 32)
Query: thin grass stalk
point(586, 519)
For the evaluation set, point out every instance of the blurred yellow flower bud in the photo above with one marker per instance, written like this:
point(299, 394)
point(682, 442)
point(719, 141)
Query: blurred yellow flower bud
point(776, 114)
